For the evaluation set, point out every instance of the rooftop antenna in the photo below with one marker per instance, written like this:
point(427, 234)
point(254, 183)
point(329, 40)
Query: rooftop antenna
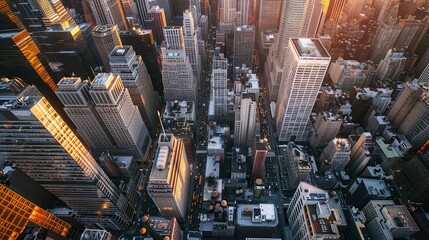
point(162, 126)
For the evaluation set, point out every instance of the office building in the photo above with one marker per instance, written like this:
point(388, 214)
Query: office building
point(336, 155)
point(360, 154)
point(156, 22)
point(326, 127)
point(219, 88)
point(190, 38)
point(130, 8)
point(246, 119)
point(177, 73)
point(32, 130)
point(391, 151)
point(227, 15)
point(392, 66)
point(347, 74)
point(384, 39)
point(117, 111)
point(108, 12)
point(143, 43)
point(15, 216)
point(96, 234)
point(243, 9)
point(196, 4)
point(363, 190)
point(244, 41)
point(73, 93)
point(417, 179)
point(385, 220)
point(424, 77)
point(268, 17)
point(142, 8)
point(307, 59)
point(313, 214)
point(136, 79)
point(259, 153)
point(106, 38)
point(162, 228)
point(256, 220)
point(298, 165)
point(409, 114)
point(169, 179)
point(295, 18)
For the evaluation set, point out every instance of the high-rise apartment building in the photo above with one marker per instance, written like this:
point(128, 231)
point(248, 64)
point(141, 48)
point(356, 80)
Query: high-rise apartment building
point(269, 13)
point(106, 38)
point(385, 38)
point(244, 41)
point(17, 211)
point(35, 137)
point(169, 179)
point(117, 111)
point(177, 73)
point(108, 12)
point(313, 214)
point(191, 42)
point(326, 127)
point(78, 105)
point(219, 88)
point(156, 21)
point(295, 19)
point(136, 79)
point(302, 77)
point(349, 73)
point(392, 66)
point(245, 123)
point(409, 114)
point(143, 44)
point(336, 155)
point(360, 154)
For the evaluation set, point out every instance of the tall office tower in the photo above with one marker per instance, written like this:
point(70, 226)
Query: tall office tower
point(409, 114)
point(219, 88)
point(130, 8)
point(167, 5)
point(35, 137)
point(66, 51)
point(73, 93)
point(332, 13)
point(197, 5)
point(416, 175)
point(156, 22)
point(108, 12)
point(297, 165)
point(244, 41)
point(314, 215)
point(87, 13)
point(424, 26)
point(177, 73)
point(326, 127)
point(142, 8)
point(385, 38)
point(62, 11)
point(360, 154)
point(169, 179)
point(259, 153)
point(354, 8)
point(385, 220)
point(295, 18)
point(245, 121)
point(269, 14)
point(349, 73)
point(243, 8)
point(191, 42)
point(336, 155)
point(143, 44)
point(106, 38)
point(136, 79)
point(392, 66)
point(424, 77)
point(227, 15)
point(302, 77)
point(30, 14)
point(17, 211)
point(117, 111)
point(410, 28)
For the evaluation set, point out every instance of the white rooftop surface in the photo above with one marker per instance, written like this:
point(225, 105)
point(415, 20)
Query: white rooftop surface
point(212, 166)
point(208, 190)
point(102, 79)
point(215, 143)
point(375, 186)
point(246, 220)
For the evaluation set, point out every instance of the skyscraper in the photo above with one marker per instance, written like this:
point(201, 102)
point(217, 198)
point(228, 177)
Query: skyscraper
point(219, 88)
point(177, 73)
point(117, 111)
point(169, 179)
point(302, 77)
point(326, 126)
point(243, 8)
point(295, 19)
point(385, 38)
point(143, 44)
point(136, 79)
point(259, 153)
point(142, 8)
point(108, 12)
point(106, 38)
point(360, 154)
point(130, 8)
point(245, 123)
point(336, 155)
point(191, 42)
point(14, 217)
point(269, 13)
point(78, 105)
point(244, 41)
point(424, 77)
point(416, 175)
point(392, 66)
point(156, 22)
point(35, 137)
point(227, 15)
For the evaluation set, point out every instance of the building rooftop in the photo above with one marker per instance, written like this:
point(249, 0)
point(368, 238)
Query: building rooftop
point(102, 79)
point(342, 144)
point(310, 47)
point(102, 29)
point(298, 155)
point(212, 166)
point(257, 215)
point(215, 142)
point(161, 225)
point(389, 150)
point(163, 157)
point(374, 187)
